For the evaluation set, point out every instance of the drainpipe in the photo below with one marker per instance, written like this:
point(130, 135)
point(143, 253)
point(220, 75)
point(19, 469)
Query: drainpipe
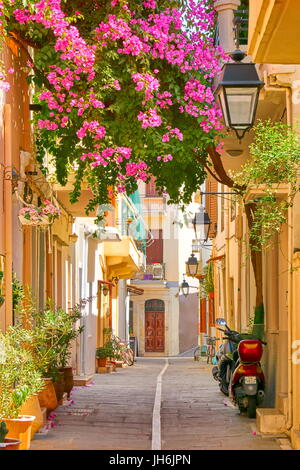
point(227, 266)
point(7, 186)
point(290, 285)
point(239, 280)
point(127, 314)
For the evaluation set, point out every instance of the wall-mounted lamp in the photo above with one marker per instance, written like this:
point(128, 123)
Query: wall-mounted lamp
point(105, 289)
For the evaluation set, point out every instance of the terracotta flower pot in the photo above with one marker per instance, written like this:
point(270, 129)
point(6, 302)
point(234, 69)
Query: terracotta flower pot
point(59, 387)
point(101, 361)
point(10, 444)
point(68, 378)
point(47, 396)
point(32, 407)
point(20, 429)
point(114, 365)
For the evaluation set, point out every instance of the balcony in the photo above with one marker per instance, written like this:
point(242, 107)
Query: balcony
point(241, 33)
point(153, 272)
point(153, 193)
point(156, 206)
point(123, 258)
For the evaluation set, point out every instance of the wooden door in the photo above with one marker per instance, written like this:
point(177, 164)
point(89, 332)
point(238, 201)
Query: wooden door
point(154, 331)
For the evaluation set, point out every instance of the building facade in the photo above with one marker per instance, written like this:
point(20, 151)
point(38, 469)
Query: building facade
point(271, 44)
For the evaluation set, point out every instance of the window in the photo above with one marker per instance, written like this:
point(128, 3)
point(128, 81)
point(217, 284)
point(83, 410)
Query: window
point(151, 190)
point(130, 317)
point(154, 305)
point(155, 252)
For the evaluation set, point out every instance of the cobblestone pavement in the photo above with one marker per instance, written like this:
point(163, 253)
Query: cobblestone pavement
point(196, 415)
point(116, 412)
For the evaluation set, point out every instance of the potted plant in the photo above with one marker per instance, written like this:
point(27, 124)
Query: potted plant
point(103, 354)
point(53, 330)
point(69, 331)
point(40, 341)
point(59, 329)
point(19, 379)
point(7, 443)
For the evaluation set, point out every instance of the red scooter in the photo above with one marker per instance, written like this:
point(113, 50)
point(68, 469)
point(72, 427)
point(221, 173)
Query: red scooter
point(247, 381)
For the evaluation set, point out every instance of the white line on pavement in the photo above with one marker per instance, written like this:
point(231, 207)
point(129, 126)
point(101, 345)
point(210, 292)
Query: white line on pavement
point(156, 422)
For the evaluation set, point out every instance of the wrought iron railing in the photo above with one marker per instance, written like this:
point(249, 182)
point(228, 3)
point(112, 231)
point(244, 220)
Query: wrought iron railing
point(155, 272)
point(240, 28)
point(241, 23)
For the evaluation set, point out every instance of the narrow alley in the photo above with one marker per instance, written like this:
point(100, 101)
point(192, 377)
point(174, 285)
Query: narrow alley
point(117, 412)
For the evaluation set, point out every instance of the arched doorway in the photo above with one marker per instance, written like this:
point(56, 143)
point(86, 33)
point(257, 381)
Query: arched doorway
point(154, 326)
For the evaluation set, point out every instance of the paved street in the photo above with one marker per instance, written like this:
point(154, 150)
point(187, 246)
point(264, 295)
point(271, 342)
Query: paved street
point(116, 412)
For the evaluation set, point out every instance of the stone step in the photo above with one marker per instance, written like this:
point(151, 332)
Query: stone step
point(270, 421)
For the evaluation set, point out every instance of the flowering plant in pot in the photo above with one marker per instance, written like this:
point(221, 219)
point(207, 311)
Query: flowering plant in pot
point(44, 214)
point(19, 379)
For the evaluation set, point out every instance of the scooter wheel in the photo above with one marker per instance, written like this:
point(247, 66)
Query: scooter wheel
point(251, 408)
point(224, 389)
point(215, 373)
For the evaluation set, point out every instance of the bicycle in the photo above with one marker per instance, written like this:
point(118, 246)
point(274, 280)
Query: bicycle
point(123, 350)
point(211, 348)
point(199, 351)
point(127, 354)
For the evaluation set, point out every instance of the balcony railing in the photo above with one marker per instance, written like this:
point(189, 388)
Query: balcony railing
point(241, 23)
point(155, 207)
point(240, 32)
point(153, 272)
point(153, 193)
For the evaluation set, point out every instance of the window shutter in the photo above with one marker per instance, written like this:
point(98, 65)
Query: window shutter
point(154, 252)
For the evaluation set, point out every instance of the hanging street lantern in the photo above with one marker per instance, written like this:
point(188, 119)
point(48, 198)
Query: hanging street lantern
point(105, 289)
point(192, 265)
point(201, 219)
point(238, 92)
point(185, 288)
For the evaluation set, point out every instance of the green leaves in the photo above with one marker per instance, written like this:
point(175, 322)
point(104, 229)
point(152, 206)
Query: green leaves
point(180, 177)
point(275, 158)
point(20, 395)
point(3, 431)
point(19, 374)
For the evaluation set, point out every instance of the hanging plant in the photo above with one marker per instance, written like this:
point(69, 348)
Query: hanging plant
point(275, 159)
point(44, 214)
point(209, 279)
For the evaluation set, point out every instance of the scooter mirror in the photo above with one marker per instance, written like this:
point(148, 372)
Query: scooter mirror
point(221, 321)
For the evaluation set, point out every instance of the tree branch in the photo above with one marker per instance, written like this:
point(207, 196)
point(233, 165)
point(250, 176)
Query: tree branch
point(212, 174)
point(221, 172)
point(219, 168)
